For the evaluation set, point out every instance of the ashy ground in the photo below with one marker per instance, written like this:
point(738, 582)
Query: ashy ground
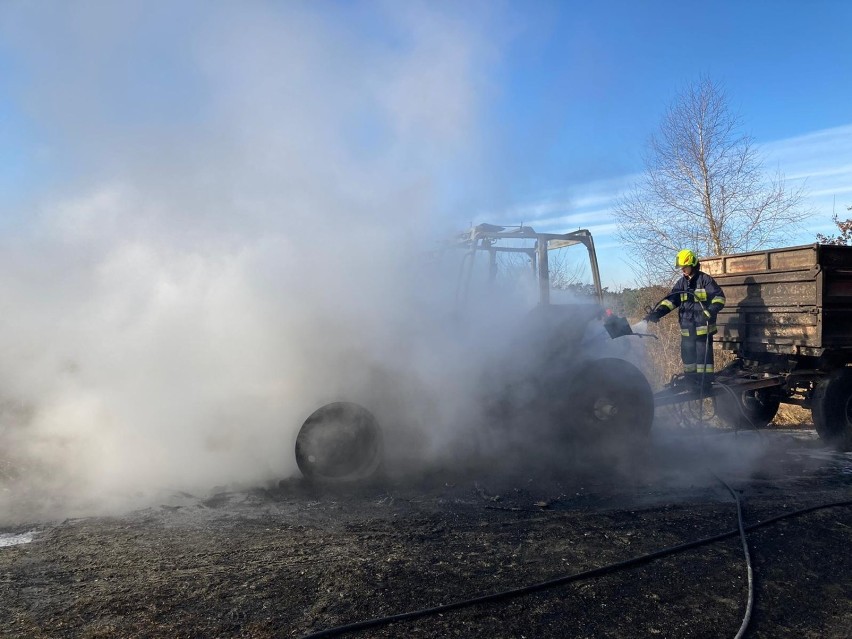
point(294, 559)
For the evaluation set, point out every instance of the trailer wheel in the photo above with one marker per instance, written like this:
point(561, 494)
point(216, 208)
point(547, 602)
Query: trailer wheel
point(339, 442)
point(748, 409)
point(832, 408)
point(610, 401)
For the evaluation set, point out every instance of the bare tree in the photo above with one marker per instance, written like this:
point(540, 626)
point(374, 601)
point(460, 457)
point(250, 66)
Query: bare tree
point(704, 188)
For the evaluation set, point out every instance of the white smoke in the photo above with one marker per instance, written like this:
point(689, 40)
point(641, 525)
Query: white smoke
point(245, 189)
point(232, 202)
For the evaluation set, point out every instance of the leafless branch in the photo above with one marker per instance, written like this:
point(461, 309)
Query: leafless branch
point(704, 188)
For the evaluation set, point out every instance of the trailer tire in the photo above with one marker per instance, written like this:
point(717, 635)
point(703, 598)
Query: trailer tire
point(832, 409)
point(748, 409)
point(339, 442)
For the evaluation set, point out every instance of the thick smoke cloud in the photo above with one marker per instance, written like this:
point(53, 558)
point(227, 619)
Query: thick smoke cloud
point(233, 201)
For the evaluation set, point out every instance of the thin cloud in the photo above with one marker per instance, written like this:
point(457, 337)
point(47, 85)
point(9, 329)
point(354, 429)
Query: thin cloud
point(844, 171)
point(819, 161)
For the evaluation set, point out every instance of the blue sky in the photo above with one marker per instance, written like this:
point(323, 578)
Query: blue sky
point(486, 111)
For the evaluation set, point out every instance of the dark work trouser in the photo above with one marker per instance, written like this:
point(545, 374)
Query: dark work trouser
point(696, 352)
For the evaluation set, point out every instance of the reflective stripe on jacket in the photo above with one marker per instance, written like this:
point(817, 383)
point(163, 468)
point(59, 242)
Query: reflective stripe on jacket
point(688, 294)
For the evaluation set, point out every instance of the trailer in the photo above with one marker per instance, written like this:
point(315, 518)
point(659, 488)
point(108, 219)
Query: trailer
point(788, 322)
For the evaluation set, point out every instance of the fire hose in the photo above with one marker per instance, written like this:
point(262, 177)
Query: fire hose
point(742, 529)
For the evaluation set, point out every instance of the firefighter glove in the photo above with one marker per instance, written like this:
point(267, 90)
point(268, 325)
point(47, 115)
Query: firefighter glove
point(652, 317)
point(707, 314)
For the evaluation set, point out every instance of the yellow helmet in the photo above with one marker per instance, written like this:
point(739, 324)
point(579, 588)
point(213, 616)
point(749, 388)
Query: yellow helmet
point(686, 258)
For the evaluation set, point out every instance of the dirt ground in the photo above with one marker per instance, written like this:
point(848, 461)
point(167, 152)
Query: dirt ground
point(295, 558)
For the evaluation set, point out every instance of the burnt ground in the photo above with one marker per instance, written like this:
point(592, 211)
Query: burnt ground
point(296, 558)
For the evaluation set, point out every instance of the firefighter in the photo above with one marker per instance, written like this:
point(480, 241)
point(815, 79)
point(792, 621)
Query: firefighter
point(698, 299)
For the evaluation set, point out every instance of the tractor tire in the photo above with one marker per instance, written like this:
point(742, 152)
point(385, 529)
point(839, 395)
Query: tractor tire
point(832, 409)
point(611, 402)
point(748, 410)
point(339, 442)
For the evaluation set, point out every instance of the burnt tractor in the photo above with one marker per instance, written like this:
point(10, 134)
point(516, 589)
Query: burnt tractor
point(562, 379)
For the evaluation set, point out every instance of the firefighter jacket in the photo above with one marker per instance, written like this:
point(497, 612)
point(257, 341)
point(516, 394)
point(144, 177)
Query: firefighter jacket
point(692, 296)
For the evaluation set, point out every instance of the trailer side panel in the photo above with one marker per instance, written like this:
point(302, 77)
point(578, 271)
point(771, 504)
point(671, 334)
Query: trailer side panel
point(795, 300)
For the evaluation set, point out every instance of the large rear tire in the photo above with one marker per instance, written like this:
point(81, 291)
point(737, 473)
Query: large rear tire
point(339, 442)
point(611, 402)
point(832, 409)
point(748, 409)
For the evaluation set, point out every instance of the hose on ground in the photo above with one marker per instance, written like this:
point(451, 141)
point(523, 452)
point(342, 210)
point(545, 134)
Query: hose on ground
point(750, 572)
point(561, 581)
